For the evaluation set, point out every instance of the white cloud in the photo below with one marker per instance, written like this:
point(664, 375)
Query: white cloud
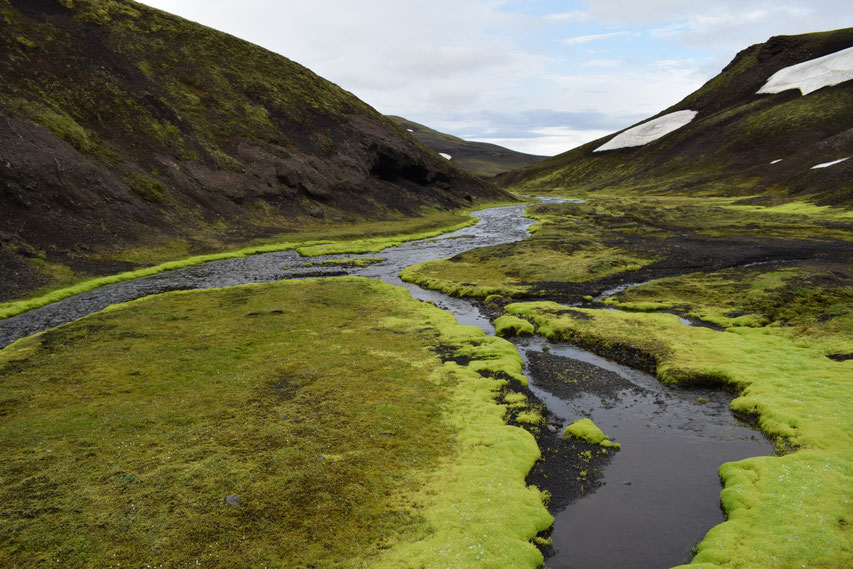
point(575, 16)
point(592, 37)
point(602, 63)
point(491, 66)
point(548, 142)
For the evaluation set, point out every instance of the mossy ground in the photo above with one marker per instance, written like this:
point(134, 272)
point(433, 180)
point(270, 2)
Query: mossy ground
point(810, 303)
point(577, 249)
point(323, 405)
point(784, 511)
point(312, 241)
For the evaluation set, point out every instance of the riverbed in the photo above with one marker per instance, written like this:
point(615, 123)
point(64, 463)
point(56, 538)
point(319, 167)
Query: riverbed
point(656, 498)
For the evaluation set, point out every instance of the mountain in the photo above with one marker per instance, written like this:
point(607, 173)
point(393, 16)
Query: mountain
point(737, 141)
point(123, 126)
point(477, 157)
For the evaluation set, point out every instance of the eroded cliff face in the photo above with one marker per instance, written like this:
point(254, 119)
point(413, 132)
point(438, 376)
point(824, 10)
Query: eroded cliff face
point(121, 125)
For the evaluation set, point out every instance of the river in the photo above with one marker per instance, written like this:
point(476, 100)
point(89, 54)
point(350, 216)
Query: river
point(659, 494)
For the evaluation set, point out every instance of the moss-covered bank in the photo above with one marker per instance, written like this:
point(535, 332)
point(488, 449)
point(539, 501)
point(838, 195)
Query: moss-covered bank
point(787, 511)
point(296, 424)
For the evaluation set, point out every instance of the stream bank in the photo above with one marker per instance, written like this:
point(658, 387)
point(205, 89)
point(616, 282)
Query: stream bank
point(646, 504)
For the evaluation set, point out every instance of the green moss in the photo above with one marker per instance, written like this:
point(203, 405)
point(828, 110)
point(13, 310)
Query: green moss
point(64, 126)
point(509, 325)
point(359, 262)
point(314, 402)
point(530, 418)
point(376, 244)
point(586, 430)
point(560, 250)
point(340, 239)
point(784, 511)
point(811, 303)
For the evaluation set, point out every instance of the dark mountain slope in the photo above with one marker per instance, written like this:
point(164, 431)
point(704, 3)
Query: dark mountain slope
point(477, 157)
point(121, 125)
point(729, 146)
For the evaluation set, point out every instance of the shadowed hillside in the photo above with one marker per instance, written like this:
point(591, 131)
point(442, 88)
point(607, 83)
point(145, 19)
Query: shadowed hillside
point(739, 143)
point(123, 126)
point(476, 157)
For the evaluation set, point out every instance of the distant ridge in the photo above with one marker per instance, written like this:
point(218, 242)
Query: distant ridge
point(740, 142)
point(479, 158)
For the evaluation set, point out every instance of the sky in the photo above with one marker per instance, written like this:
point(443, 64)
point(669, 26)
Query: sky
point(537, 76)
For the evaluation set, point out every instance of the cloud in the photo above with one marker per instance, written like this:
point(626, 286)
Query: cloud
point(575, 16)
point(502, 70)
point(602, 63)
point(592, 37)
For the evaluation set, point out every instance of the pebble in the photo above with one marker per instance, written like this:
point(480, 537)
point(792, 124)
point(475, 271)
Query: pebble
point(233, 501)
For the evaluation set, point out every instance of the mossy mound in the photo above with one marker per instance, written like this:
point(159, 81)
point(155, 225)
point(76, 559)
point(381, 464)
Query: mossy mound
point(588, 431)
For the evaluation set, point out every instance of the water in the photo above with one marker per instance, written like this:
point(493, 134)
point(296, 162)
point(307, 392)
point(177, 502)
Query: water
point(660, 492)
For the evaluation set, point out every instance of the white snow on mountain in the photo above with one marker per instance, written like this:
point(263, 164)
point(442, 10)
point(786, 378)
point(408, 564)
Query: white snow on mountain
point(826, 164)
point(649, 131)
point(813, 74)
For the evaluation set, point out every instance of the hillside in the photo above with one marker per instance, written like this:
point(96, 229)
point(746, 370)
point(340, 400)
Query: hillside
point(739, 142)
point(122, 127)
point(477, 157)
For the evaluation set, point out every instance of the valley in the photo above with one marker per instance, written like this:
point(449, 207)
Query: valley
point(247, 320)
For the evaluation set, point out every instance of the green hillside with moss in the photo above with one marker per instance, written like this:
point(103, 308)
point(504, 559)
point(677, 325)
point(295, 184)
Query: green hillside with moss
point(123, 126)
point(479, 158)
point(739, 143)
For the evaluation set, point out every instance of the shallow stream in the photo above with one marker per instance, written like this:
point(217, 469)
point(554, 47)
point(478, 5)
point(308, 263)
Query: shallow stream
point(660, 493)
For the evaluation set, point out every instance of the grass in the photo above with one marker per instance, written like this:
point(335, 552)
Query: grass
point(321, 404)
point(810, 303)
point(786, 511)
point(356, 238)
point(612, 235)
point(559, 250)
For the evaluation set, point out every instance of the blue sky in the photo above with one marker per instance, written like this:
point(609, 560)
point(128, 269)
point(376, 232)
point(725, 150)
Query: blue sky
point(539, 76)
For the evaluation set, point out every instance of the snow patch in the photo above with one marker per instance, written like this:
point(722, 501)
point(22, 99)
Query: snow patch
point(410, 130)
point(825, 164)
point(813, 74)
point(777, 161)
point(649, 131)
point(448, 156)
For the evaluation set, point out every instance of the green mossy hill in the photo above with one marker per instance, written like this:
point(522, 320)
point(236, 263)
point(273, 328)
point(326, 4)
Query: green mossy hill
point(317, 423)
point(728, 147)
point(790, 510)
point(123, 126)
point(479, 158)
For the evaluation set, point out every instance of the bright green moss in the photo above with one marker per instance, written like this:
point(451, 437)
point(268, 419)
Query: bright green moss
point(339, 239)
point(785, 511)
point(315, 402)
point(509, 325)
point(588, 431)
point(811, 303)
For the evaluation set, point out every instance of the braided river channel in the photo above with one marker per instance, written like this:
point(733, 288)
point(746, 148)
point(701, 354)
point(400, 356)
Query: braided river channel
point(656, 497)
